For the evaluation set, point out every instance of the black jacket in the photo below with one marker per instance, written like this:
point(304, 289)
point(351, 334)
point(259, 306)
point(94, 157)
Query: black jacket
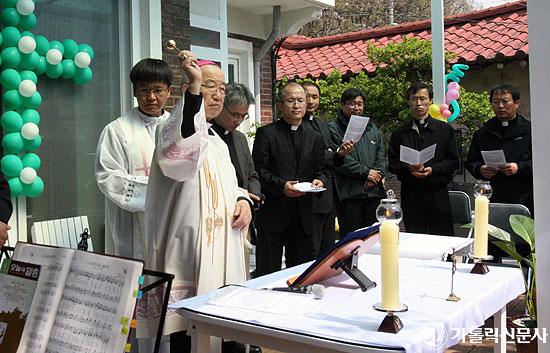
point(241, 159)
point(515, 140)
point(5, 201)
point(444, 163)
point(324, 203)
point(276, 164)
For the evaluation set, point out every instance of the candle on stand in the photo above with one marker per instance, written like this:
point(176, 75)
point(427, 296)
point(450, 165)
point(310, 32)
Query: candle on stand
point(389, 254)
point(481, 224)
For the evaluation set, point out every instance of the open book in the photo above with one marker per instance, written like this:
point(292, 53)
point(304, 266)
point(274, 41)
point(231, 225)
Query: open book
point(412, 156)
point(84, 302)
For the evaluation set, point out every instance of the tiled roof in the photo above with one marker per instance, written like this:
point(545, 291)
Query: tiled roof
point(478, 37)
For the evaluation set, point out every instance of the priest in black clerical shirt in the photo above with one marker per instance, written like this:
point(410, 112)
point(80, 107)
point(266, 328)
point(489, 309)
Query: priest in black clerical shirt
point(235, 110)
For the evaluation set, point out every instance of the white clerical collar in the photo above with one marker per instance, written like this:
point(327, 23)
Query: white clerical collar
point(294, 127)
point(421, 121)
point(504, 123)
point(310, 117)
point(226, 132)
point(208, 125)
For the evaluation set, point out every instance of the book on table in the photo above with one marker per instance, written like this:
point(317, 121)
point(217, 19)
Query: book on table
point(84, 302)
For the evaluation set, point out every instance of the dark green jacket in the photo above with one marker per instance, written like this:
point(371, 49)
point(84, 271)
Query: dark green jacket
point(368, 153)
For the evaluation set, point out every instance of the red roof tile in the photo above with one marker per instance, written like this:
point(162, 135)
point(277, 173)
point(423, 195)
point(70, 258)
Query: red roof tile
point(476, 37)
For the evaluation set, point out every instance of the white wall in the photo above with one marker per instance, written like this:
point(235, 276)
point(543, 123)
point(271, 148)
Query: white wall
point(539, 52)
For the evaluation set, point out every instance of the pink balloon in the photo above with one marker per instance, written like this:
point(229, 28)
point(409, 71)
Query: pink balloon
point(443, 107)
point(453, 85)
point(446, 113)
point(452, 95)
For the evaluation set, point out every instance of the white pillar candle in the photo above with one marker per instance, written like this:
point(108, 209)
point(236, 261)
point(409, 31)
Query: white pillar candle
point(481, 223)
point(389, 254)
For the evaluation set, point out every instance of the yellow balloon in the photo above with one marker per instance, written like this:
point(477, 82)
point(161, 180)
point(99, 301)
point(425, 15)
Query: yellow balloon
point(434, 112)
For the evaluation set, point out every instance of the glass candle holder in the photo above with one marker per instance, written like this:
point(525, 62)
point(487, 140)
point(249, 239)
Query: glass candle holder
point(484, 188)
point(389, 210)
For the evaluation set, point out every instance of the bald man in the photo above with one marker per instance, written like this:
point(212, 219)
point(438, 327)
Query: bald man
point(196, 215)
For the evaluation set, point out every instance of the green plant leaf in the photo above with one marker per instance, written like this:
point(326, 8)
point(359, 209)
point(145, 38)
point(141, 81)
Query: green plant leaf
point(500, 234)
point(510, 249)
point(524, 227)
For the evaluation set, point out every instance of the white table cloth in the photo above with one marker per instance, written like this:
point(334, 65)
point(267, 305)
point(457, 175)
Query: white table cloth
point(345, 313)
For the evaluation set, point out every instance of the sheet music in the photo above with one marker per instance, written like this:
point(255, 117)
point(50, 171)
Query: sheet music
point(97, 294)
point(55, 268)
point(411, 156)
point(494, 159)
point(356, 126)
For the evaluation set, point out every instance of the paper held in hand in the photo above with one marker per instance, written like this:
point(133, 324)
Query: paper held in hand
point(356, 126)
point(307, 187)
point(412, 156)
point(494, 159)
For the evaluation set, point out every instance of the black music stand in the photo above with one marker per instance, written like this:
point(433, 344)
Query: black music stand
point(343, 256)
point(163, 278)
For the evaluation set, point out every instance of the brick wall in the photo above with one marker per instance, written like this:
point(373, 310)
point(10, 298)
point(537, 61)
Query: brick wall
point(175, 25)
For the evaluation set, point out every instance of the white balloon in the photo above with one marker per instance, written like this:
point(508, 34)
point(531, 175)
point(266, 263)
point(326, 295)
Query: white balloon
point(27, 175)
point(29, 131)
point(82, 59)
point(54, 56)
point(26, 44)
point(27, 88)
point(25, 7)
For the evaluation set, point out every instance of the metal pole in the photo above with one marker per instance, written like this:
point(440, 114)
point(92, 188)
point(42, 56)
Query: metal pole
point(438, 52)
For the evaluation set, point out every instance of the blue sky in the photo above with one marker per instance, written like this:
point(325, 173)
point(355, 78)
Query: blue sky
point(488, 3)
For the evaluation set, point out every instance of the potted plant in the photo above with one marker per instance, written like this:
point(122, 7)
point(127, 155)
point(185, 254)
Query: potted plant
point(524, 227)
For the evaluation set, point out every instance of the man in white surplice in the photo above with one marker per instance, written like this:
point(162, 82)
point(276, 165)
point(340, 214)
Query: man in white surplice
point(196, 215)
point(123, 158)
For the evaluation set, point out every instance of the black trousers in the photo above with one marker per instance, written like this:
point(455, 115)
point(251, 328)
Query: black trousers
point(299, 247)
point(328, 235)
point(356, 213)
point(427, 212)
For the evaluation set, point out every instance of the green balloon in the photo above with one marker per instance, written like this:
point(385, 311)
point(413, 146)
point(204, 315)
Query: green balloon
point(86, 48)
point(42, 45)
point(11, 58)
point(41, 65)
point(30, 116)
point(32, 145)
point(10, 37)
point(10, 17)
point(11, 121)
point(11, 165)
point(55, 44)
point(29, 61)
point(9, 3)
point(13, 142)
point(68, 68)
point(28, 22)
point(10, 79)
point(16, 186)
point(54, 71)
point(31, 160)
point(28, 75)
point(34, 189)
point(32, 102)
point(29, 34)
point(82, 75)
point(12, 99)
point(71, 48)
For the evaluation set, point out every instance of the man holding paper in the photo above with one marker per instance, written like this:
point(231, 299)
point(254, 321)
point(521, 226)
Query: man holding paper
point(423, 155)
point(501, 150)
point(287, 153)
point(359, 178)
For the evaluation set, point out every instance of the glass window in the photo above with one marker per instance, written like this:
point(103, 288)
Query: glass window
point(73, 116)
point(205, 38)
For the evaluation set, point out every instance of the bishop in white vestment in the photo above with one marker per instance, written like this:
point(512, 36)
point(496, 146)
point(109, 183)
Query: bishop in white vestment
point(193, 201)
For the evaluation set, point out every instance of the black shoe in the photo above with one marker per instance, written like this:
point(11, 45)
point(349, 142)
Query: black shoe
point(255, 349)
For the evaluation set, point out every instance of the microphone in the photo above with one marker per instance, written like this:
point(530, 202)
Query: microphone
point(318, 290)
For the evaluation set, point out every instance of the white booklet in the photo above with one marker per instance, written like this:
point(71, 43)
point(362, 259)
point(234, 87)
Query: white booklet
point(356, 126)
point(307, 187)
point(84, 302)
point(411, 156)
point(494, 159)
